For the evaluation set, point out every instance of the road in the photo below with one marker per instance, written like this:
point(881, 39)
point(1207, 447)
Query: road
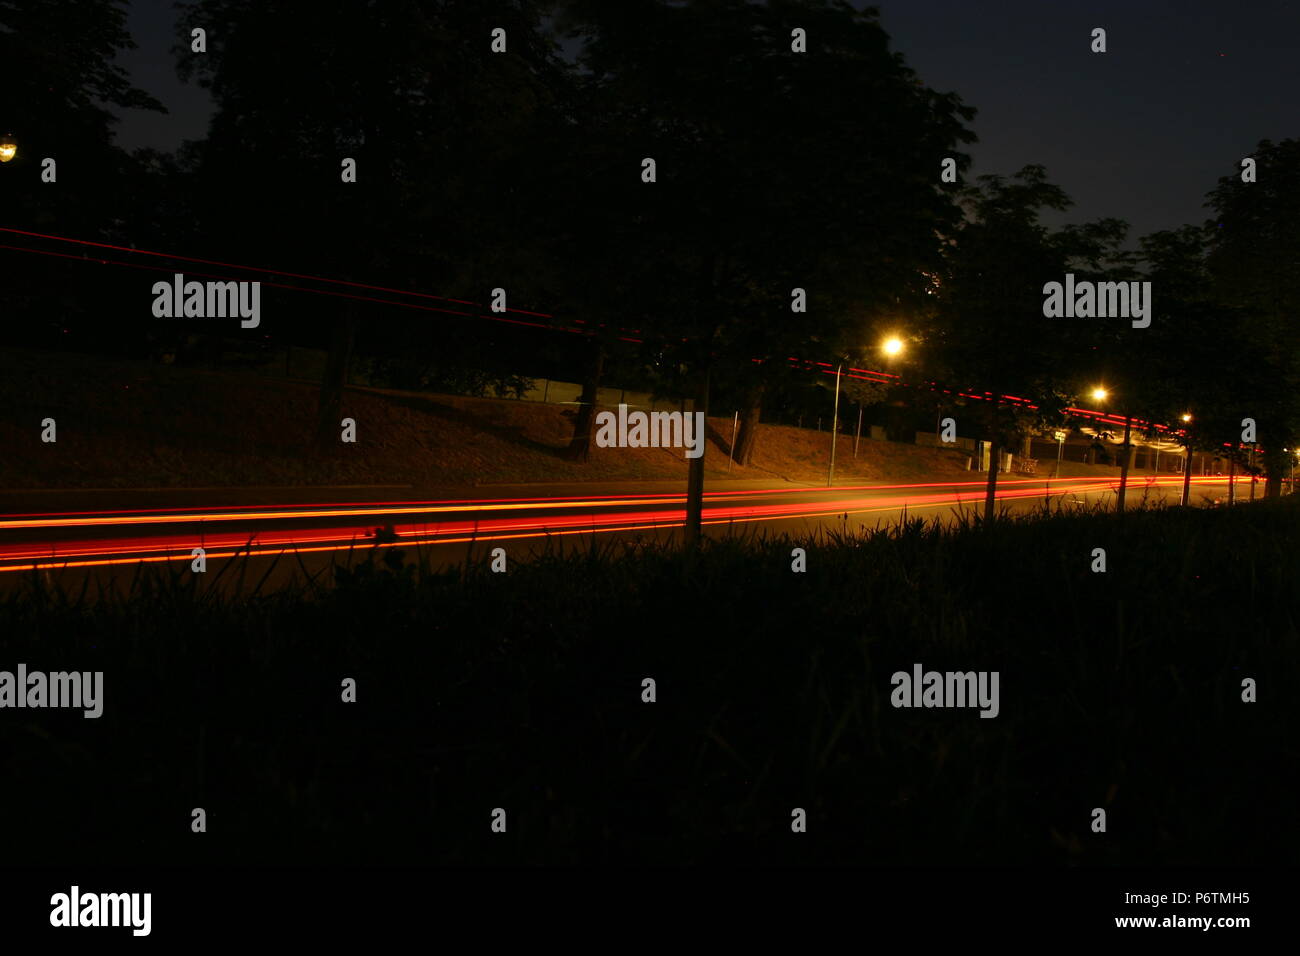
point(307, 529)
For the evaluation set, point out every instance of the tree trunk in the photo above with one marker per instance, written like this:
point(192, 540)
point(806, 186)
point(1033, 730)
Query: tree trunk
point(747, 437)
point(990, 492)
point(1126, 452)
point(330, 407)
point(584, 424)
point(1275, 467)
point(695, 476)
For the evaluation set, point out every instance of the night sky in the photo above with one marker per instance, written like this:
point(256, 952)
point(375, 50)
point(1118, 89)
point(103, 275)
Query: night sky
point(1140, 133)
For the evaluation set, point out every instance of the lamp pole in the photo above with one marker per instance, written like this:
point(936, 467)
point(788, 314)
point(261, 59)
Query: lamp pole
point(731, 450)
point(835, 418)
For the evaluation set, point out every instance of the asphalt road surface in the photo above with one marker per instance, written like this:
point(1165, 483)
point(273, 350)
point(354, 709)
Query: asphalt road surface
point(79, 534)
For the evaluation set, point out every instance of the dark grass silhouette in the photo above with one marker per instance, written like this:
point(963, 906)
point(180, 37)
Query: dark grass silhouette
point(521, 690)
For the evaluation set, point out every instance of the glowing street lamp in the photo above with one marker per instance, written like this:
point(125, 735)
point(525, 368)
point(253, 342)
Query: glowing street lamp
point(8, 148)
point(892, 347)
point(1100, 394)
point(1187, 417)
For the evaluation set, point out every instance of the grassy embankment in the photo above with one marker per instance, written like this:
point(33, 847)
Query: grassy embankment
point(125, 424)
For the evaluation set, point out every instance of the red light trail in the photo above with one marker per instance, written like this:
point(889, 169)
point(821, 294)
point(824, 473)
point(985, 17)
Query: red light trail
point(450, 522)
point(852, 372)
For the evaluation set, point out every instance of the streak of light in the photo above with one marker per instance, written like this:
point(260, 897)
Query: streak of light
point(271, 543)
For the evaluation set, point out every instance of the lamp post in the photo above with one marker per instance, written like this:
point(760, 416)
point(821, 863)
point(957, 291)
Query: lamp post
point(731, 450)
point(1187, 471)
point(1099, 394)
point(8, 147)
point(835, 421)
point(892, 346)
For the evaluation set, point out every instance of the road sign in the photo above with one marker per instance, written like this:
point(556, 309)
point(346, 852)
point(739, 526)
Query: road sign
point(1060, 436)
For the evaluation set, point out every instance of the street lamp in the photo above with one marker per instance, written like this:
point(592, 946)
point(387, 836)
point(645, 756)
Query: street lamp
point(1100, 394)
point(8, 148)
point(892, 347)
point(1187, 473)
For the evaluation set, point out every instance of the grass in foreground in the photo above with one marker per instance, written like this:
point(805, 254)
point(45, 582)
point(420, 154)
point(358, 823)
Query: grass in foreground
point(522, 690)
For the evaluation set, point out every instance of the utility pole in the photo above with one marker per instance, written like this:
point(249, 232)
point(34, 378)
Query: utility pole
point(859, 432)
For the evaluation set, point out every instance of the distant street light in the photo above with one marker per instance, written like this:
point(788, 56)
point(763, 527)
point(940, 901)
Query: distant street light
point(1187, 417)
point(892, 346)
point(8, 148)
point(1099, 394)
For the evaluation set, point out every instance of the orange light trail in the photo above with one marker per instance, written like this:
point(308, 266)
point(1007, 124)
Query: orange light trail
point(384, 508)
point(271, 542)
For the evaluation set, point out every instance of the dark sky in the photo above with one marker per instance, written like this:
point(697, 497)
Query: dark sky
point(1140, 133)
